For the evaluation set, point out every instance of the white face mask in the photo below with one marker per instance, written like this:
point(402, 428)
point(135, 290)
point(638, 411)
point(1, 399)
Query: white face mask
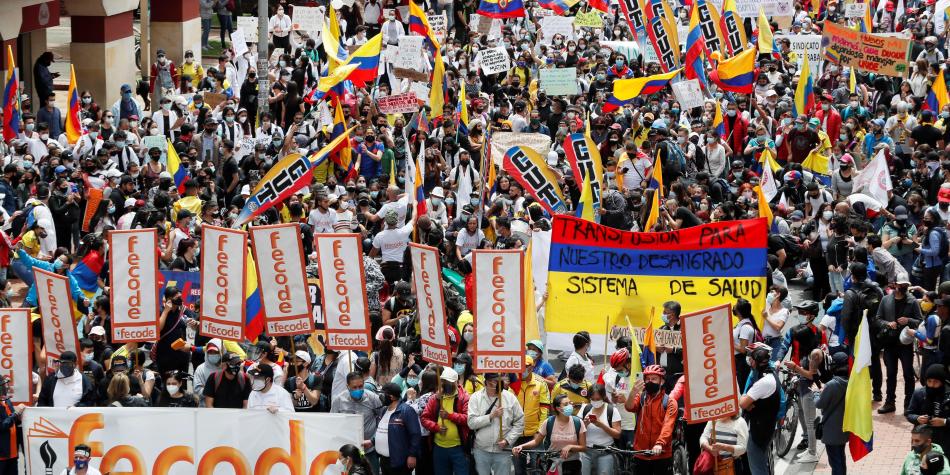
point(597, 404)
point(153, 131)
point(172, 388)
point(258, 384)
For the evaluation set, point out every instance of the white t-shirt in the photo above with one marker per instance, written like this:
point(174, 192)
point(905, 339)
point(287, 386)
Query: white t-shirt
point(276, 396)
point(762, 388)
point(399, 206)
point(634, 172)
point(382, 434)
point(829, 323)
point(596, 435)
point(392, 242)
point(89, 471)
point(767, 330)
point(68, 391)
point(613, 384)
point(588, 365)
point(743, 331)
point(322, 222)
point(467, 242)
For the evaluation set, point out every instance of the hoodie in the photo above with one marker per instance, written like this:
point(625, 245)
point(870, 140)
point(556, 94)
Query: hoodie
point(912, 462)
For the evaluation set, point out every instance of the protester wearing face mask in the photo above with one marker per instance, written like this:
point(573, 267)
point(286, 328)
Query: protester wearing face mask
point(657, 414)
point(356, 400)
point(82, 453)
point(498, 420)
point(563, 432)
point(352, 461)
point(67, 387)
point(265, 395)
point(926, 457)
point(542, 368)
point(213, 362)
point(175, 392)
point(126, 106)
point(581, 355)
point(574, 386)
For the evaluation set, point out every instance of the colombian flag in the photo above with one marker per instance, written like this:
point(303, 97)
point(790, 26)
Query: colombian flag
point(73, 125)
point(656, 178)
point(11, 100)
point(333, 41)
point(626, 90)
point(178, 172)
point(585, 208)
point(857, 399)
point(331, 85)
point(764, 210)
point(718, 125)
point(558, 6)
point(648, 356)
point(503, 8)
point(695, 64)
point(766, 40)
point(804, 92)
point(461, 110)
point(937, 98)
point(602, 5)
point(366, 59)
point(342, 156)
point(87, 272)
point(736, 74)
point(419, 24)
point(254, 317)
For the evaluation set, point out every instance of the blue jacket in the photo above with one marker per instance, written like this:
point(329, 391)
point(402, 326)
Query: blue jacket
point(405, 434)
point(32, 262)
point(9, 202)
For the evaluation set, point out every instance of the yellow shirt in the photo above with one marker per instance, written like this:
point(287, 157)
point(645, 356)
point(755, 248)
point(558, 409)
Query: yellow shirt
point(578, 396)
point(195, 70)
point(191, 203)
point(31, 243)
point(451, 438)
point(474, 384)
point(535, 398)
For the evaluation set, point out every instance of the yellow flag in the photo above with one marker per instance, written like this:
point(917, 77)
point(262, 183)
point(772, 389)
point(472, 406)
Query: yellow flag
point(585, 209)
point(531, 330)
point(437, 93)
point(654, 212)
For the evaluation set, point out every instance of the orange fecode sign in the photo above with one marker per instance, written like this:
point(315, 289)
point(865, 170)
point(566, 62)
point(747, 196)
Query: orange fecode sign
point(709, 364)
point(278, 251)
point(133, 261)
point(223, 262)
point(345, 307)
point(499, 315)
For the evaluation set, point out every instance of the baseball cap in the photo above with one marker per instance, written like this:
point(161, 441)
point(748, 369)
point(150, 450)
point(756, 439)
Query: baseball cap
point(449, 374)
point(900, 212)
point(303, 355)
point(246, 190)
point(943, 196)
point(98, 330)
point(130, 202)
point(60, 169)
point(262, 371)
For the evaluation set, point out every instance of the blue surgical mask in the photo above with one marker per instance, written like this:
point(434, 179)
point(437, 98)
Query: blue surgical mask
point(449, 201)
point(573, 385)
point(568, 411)
point(356, 394)
point(459, 368)
point(80, 464)
point(121, 144)
point(412, 381)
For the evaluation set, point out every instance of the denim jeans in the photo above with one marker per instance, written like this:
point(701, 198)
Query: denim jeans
point(21, 270)
point(595, 464)
point(836, 280)
point(758, 458)
point(205, 31)
point(774, 342)
point(450, 460)
point(836, 459)
point(488, 463)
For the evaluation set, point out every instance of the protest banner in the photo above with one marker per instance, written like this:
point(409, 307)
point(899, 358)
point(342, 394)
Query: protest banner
point(275, 55)
point(802, 45)
point(158, 141)
point(223, 263)
point(494, 60)
point(94, 196)
point(309, 19)
point(16, 355)
point(405, 103)
point(189, 283)
point(750, 8)
point(688, 93)
point(439, 25)
point(319, 335)
point(499, 309)
point(559, 81)
point(582, 153)
point(604, 272)
point(430, 304)
point(666, 338)
point(556, 24)
point(529, 169)
point(133, 265)
point(591, 19)
point(502, 141)
point(879, 54)
point(711, 391)
point(239, 41)
point(247, 24)
point(636, 21)
point(203, 443)
point(213, 98)
point(408, 61)
point(288, 175)
point(855, 10)
point(629, 49)
point(345, 307)
point(278, 252)
point(56, 309)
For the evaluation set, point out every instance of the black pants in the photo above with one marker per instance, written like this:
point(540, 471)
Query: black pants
point(904, 354)
point(9, 467)
point(742, 371)
point(282, 42)
point(386, 469)
point(654, 467)
point(877, 377)
point(820, 286)
point(521, 460)
point(392, 271)
point(571, 467)
point(693, 433)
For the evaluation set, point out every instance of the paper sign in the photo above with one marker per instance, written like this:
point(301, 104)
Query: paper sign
point(499, 304)
point(345, 307)
point(709, 364)
point(420, 89)
point(16, 358)
point(494, 60)
point(559, 82)
point(805, 44)
point(247, 24)
point(133, 264)
point(275, 56)
point(439, 25)
point(430, 305)
point(56, 308)
point(552, 25)
point(239, 41)
point(591, 19)
point(878, 54)
point(409, 55)
point(855, 10)
point(308, 18)
point(223, 262)
point(688, 93)
point(278, 253)
point(157, 141)
point(502, 141)
point(750, 8)
point(398, 104)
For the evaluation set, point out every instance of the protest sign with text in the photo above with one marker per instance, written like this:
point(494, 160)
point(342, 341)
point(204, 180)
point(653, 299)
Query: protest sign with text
point(56, 308)
point(309, 19)
point(223, 262)
point(591, 19)
point(711, 391)
point(16, 352)
point(802, 45)
point(582, 153)
point(430, 305)
point(133, 265)
point(855, 10)
point(499, 309)
point(405, 103)
point(345, 306)
point(278, 252)
point(247, 24)
point(556, 24)
point(494, 60)
point(559, 81)
point(439, 25)
point(750, 8)
point(688, 93)
point(879, 54)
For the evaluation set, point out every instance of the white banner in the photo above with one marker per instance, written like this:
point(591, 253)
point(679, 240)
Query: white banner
point(499, 310)
point(223, 263)
point(278, 253)
point(133, 262)
point(239, 41)
point(343, 279)
point(552, 25)
point(247, 24)
point(750, 8)
point(398, 104)
point(502, 141)
point(805, 44)
point(16, 352)
point(688, 93)
point(711, 390)
point(430, 305)
point(494, 60)
point(855, 10)
point(309, 19)
point(188, 441)
point(56, 307)
point(409, 54)
point(439, 25)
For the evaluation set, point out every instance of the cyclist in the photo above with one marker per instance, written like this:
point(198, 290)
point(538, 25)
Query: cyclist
point(535, 399)
point(616, 381)
point(760, 404)
point(563, 432)
point(656, 418)
point(804, 341)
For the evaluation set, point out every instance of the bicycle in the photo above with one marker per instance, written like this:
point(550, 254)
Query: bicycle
point(680, 453)
point(788, 422)
point(623, 459)
point(538, 461)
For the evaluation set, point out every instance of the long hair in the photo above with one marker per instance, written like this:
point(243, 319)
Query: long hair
point(385, 354)
point(353, 453)
point(118, 387)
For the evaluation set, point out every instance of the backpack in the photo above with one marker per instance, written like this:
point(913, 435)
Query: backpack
point(21, 224)
point(757, 336)
point(549, 426)
point(242, 379)
point(944, 245)
point(675, 160)
point(609, 409)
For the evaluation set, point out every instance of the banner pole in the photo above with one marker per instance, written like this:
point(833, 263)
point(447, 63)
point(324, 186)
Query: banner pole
point(715, 452)
point(606, 340)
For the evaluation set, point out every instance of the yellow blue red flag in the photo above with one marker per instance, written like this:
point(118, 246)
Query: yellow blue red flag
point(626, 90)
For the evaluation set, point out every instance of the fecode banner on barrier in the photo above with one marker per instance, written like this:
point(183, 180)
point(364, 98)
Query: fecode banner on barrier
point(499, 309)
point(430, 305)
point(278, 253)
point(345, 308)
point(223, 262)
point(133, 261)
point(16, 352)
point(886, 55)
point(607, 274)
point(56, 308)
point(188, 441)
point(711, 391)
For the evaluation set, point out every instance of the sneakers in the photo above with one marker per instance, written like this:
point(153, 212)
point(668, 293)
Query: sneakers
point(803, 445)
point(807, 457)
point(887, 408)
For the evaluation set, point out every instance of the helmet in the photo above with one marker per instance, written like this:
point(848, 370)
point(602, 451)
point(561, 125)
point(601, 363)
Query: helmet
point(619, 357)
point(760, 353)
point(793, 175)
point(809, 306)
point(738, 164)
point(654, 369)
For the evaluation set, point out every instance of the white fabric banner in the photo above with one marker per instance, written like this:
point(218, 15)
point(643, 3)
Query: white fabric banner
point(188, 441)
point(430, 305)
point(499, 304)
point(16, 352)
point(711, 390)
point(223, 263)
point(343, 278)
point(278, 252)
point(56, 307)
point(133, 262)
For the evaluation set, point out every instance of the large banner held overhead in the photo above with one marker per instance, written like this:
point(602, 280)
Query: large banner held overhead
point(16, 352)
point(56, 308)
point(584, 157)
point(278, 252)
point(133, 262)
point(711, 391)
point(223, 262)
point(345, 308)
point(529, 169)
point(878, 54)
point(183, 441)
point(603, 273)
point(499, 310)
point(430, 305)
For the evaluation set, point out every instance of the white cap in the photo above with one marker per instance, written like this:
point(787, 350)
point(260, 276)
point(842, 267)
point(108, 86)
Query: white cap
point(438, 192)
point(246, 190)
point(98, 330)
point(449, 374)
point(165, 174)
point(130, 202)
point(113, 173)
point(303, 355)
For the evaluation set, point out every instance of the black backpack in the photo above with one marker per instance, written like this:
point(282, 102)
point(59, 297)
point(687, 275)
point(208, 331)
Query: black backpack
point(19, 225)
point(609, 409)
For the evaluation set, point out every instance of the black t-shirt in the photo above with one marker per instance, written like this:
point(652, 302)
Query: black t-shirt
point(186, 400)
point(230, 167)
point(230, 393)
point(182, 264)
point(689, 219)
point(301, 403)
point(927, 134)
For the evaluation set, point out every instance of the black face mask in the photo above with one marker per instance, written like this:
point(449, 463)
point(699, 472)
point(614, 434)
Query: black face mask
point(448, 388)
point(934, 393)
point(176, 301)
point(234, 369)
point(652, 387)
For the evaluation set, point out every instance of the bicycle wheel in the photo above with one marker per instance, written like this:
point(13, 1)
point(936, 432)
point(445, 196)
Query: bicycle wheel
point(785, 433)
point(917, 361)
point(680, 460)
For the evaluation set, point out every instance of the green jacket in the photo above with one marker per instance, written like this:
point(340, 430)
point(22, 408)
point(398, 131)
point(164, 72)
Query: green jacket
point(912, 462)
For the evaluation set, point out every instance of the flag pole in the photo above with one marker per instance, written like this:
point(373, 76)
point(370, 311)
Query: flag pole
point(606, 339)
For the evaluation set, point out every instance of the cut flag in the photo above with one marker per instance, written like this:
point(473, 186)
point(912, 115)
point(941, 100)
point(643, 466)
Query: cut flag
point(333, 41)
point(857, 399)
point(501, 8)
point(585, 206)
point(736, 74)
point(73, 124)
point(732, 28)
point(718, 124)
point(366, 59)
point(626, 90)
point(654, 214)
point(656, 176)
point(694, 66)
point(804, 91)
point(602, 5)
point(461, 110)
point(766, 40)
point(11, 100)
point(636, 364)
point(178, 172)
point(764, 210)
point(648, 355)
point(938, 97)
